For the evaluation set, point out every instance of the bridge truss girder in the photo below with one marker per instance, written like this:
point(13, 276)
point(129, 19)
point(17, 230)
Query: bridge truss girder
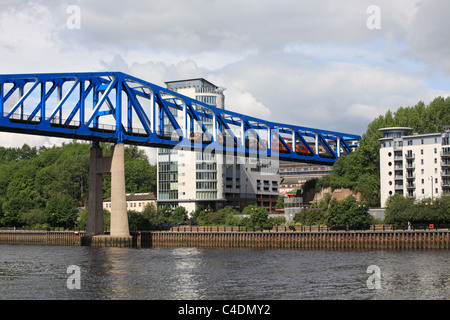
point(118, 108)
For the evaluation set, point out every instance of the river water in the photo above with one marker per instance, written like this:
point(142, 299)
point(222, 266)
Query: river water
point(47, 272)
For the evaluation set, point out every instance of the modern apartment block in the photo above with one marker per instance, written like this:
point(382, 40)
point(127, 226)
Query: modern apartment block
point(414, 165)
point(192, 179)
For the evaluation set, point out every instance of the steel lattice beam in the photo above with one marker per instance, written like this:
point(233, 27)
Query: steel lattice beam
point(118, 108)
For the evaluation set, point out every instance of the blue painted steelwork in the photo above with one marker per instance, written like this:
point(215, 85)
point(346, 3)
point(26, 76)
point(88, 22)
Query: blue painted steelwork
point(118, 108)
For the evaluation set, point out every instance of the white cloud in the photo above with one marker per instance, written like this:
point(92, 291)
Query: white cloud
point(308, 63)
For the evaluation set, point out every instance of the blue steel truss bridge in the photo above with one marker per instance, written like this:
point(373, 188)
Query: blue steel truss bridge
point(118, 108)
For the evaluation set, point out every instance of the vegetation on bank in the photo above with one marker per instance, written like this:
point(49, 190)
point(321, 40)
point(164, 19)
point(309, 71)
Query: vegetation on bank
point(44, 187)
point(401, 210)
point(252, 216)
point(330, 212)
point(360, 170)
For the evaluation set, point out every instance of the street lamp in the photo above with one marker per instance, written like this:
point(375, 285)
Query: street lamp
point(431, 178)
point(429, 212)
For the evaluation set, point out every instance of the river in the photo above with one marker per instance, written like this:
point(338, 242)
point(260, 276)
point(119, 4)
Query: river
point(102, 273)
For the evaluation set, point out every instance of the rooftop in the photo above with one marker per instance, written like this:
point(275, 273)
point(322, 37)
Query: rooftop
point(138, 197)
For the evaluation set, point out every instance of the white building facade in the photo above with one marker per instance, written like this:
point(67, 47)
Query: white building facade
point(414, 166)
point(192, 179)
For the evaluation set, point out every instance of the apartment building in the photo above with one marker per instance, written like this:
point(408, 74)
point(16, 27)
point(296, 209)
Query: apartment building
point(192, 179)
point(414, 165)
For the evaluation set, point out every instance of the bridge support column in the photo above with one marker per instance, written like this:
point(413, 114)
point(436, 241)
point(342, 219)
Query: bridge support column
point(116, 166)
point(119, 218)
point(98, 166)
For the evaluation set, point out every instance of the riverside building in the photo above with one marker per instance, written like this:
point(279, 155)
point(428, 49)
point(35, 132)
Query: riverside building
point(194, 179)
point(414, 165)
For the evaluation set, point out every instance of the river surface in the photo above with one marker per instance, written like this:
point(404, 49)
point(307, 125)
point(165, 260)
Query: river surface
point(30, 272)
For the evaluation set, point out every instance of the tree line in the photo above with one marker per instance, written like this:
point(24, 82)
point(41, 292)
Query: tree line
point(252, 217)
point(401, 211)
point(347, 213)
point(46, 186)
point(360, 170)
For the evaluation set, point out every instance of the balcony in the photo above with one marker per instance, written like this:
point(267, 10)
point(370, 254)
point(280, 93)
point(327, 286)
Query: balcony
point(445, 154)
point(411, 186)
point(411, 195)
point(445, 173)
point(410, 156)
point(445, 163)
point(410, 166)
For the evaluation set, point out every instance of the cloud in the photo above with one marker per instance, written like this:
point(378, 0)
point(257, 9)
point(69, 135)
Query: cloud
point(311, 63)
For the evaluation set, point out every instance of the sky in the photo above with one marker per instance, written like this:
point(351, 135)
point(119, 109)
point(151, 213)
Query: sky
point(327, 64)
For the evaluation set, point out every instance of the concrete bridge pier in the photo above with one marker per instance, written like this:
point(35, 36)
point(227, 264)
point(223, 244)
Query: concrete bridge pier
point(119, 219)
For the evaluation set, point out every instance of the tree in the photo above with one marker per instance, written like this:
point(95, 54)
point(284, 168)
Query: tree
point(258, 215)
point(164, 214)
point(138, 221)
point(280, 202)
point(180, 214)
point(61, 211)
point(348, 212)
point(310, 217)
point(399, 210)
point(150, 213)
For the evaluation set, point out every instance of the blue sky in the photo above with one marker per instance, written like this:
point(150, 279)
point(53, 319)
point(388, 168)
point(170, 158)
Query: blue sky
point(309, 63)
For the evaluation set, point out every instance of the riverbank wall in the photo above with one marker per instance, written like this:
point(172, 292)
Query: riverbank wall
point(365, 240)
point(332, 240)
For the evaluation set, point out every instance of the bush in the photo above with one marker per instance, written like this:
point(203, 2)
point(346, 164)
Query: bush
point(310, 217)
point(401, 210)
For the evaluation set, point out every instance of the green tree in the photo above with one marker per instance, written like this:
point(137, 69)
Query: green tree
point(150, 213)
point(61, 211)
point(280, 202)
point(258, 215)
point(138, 221)
point(310, 217)
point(399, 210)
point(348, 212)
point(180, 214)
point(164, 214)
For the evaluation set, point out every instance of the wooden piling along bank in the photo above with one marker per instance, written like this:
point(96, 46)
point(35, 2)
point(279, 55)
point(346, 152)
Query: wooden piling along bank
point(302, 240)
point(352, 240)
point(60, 238)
